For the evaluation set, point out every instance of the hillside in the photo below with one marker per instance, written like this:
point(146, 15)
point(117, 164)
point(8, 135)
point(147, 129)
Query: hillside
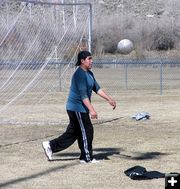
point(137, 7)
point(151, 24)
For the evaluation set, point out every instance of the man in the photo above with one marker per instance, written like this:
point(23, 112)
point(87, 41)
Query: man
point(80, 111)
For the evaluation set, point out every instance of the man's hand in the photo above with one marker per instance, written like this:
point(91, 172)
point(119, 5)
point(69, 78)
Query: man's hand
point(107, 97)
point(112, 103)
point(93, 114)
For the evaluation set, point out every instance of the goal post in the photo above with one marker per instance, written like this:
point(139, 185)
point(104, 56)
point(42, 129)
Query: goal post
point(70, 4)
point(37, 57)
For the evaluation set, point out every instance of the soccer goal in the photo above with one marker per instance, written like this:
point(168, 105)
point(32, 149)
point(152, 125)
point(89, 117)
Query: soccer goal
point(38, 47)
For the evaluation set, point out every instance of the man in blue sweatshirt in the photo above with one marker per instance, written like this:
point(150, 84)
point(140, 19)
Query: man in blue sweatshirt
point(80, 111)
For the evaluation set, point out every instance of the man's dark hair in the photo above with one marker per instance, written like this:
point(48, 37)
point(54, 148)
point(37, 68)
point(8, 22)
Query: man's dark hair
point(82, 55)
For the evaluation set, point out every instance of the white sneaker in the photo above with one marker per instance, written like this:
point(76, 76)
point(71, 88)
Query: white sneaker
point(47, 150)
point(82, 161)
point(94, 161)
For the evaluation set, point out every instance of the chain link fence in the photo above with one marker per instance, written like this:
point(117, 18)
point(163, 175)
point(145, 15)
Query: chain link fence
point(159, 76)
point(39, 47)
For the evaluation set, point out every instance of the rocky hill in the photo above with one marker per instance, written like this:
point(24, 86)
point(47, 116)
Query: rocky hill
point(136, 7)
point(150, 24)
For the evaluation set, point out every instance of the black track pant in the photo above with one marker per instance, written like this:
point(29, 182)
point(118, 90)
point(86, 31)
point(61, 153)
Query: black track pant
point(80, 128)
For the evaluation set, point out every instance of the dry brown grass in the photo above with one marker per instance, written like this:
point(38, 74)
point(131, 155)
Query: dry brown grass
point(119, 143)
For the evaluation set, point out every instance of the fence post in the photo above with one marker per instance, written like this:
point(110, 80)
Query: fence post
point(161, 78)
point(126, 75)
point(90, 28)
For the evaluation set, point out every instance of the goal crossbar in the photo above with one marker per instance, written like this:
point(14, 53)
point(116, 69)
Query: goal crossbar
point(71, 4)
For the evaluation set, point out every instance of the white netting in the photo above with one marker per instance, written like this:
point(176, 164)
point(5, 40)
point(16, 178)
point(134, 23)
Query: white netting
point(37, 54)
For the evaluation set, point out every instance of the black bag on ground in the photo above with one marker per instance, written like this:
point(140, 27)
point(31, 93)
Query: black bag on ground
point(140, 173)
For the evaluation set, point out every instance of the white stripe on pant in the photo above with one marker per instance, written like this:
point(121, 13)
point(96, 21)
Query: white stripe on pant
point(79, 128)
point(85, 142)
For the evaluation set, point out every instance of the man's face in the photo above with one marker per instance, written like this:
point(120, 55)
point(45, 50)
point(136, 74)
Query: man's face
point(87, 63)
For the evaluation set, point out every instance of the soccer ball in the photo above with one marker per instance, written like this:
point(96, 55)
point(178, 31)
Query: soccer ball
point(125, 46)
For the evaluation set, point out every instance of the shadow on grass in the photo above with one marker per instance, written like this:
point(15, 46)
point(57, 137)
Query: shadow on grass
point(36, 175)
point(144, 156)
point(102, 153)
point(106, 153)
point(99, 154)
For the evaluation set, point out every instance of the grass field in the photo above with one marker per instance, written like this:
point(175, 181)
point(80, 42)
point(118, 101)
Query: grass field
point(119, 141)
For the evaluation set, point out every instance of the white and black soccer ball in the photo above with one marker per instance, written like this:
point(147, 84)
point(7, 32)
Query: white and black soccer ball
point(125, 46)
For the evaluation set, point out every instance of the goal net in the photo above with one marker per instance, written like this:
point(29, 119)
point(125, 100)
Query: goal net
point(38, 47)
